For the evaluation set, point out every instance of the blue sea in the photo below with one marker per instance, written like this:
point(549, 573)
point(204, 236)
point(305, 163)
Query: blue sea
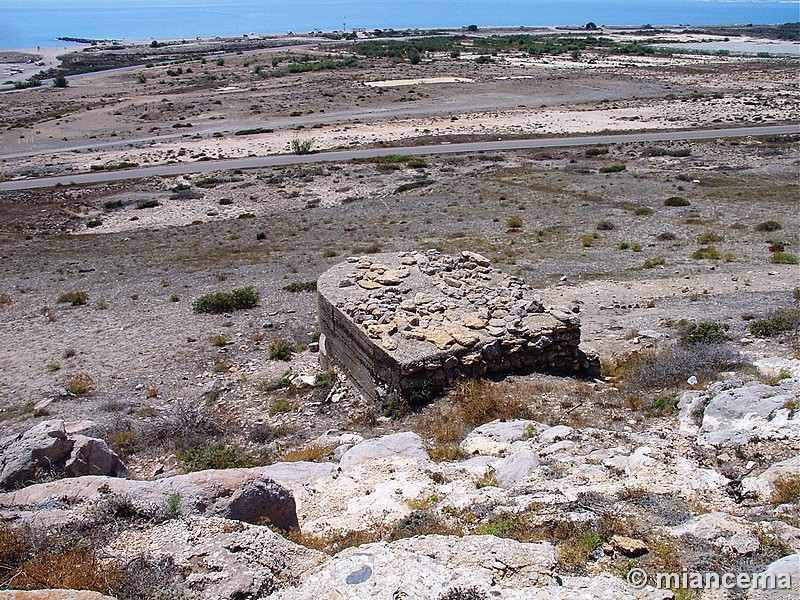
point(29, 23)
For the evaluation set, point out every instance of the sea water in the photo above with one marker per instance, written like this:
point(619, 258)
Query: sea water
point(30, 23)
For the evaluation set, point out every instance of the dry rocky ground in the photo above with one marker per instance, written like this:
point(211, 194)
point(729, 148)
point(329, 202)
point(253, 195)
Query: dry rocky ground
point(533, 486)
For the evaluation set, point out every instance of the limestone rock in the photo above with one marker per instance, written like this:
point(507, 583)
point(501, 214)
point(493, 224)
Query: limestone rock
point(726, 532)
point(628, 546)
point(515, 467)
point(788, 568)
point(222, 559)
point(405, 445)
point(763, 485)
point(427, 566)
point(554, 434)
point(440, 338)
point(496, 437)
point(735, 416)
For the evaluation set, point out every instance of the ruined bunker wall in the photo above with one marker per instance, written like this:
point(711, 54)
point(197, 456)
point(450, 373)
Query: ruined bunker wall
point(411, 324)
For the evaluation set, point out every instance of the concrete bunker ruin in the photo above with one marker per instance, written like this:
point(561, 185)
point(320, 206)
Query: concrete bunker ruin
point(409, 324)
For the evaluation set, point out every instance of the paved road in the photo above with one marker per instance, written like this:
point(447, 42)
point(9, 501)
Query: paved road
point(344, 155)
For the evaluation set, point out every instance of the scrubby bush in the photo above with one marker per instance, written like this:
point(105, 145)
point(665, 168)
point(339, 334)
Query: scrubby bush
point(74, 298)
point(281, 350)
point(676, 201)
point(220, 302)
point(705, 333)
point(709, 237)
point(784, 258)
point(142, 204)
point(605, 225)
point(780, 321)
point(769, 226)
point(79, 384)
point(596, 151)
point(613, 168)
point(671, 365)
point(302, 286)
point(651, 263)
point(707, 252)
point(302, 146)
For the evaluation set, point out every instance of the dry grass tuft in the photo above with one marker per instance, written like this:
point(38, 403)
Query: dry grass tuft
point(316, 453)
point(471, 403)
point(786, 490)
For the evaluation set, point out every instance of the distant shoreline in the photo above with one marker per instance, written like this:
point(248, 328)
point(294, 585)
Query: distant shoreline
point(83, 41)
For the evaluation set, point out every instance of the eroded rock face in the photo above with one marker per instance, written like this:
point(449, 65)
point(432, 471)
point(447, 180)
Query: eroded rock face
point(249, 495)
point(221, 558)
point(48, 447)
point(411, 323)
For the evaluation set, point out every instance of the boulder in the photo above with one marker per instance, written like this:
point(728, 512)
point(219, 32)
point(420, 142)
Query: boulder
point(784, 570)
point(628, 546)
point(41, 448)
point(261, 502)
point(764, 485)
point(92, 456)
point(515, 467)
point(58, 448)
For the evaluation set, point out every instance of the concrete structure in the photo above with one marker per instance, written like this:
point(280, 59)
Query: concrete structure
point(408, 324)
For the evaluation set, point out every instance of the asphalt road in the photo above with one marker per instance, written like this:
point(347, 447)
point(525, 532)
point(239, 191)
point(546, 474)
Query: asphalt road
point(345, 155)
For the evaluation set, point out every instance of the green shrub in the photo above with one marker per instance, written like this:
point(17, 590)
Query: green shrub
point(303, 286)
point(74, 298)
point(708, 237)
point(281, 350)
point(707, 252)
point(92, 223)
point(220, 302)
point(253, 131)
point(676, 201)
point(613, 168)
point(413, 185)
point(596, 151)
point(784, 258)
point(706, 333)
point(514, 223)
point(605, 225)
point(654, 262)
point(214, 456)
point(769, 226)
point(785, 319)
point(643, 211)
point(302, 146)
point(142, 204)
point(225, 201)
point(281, 406)
point(60, 81)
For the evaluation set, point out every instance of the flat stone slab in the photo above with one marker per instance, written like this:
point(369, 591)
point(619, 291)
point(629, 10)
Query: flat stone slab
point(413, 322)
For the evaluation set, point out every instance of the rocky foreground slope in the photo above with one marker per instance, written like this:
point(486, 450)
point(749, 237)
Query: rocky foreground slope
point(522, 510)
